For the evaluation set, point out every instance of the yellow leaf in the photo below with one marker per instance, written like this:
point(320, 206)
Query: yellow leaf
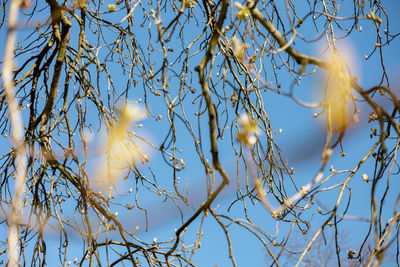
point(338, 95)
point(111, 7)
point(243, 12)
point(239, 48)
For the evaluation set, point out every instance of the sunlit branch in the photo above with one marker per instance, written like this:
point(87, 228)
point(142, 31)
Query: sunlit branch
point(17, 134)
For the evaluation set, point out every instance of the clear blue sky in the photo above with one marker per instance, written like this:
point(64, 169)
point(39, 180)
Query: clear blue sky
point(301, 134)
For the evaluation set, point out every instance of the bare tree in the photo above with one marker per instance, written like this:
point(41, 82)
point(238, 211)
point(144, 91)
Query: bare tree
point(124, 102)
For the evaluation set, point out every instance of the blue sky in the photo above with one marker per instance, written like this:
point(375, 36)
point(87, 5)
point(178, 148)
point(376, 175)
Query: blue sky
point(301, 134)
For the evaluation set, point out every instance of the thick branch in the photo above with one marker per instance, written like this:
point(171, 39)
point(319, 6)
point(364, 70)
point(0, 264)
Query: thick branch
point(57, 15)
point(17, 134)
point(300, 58)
